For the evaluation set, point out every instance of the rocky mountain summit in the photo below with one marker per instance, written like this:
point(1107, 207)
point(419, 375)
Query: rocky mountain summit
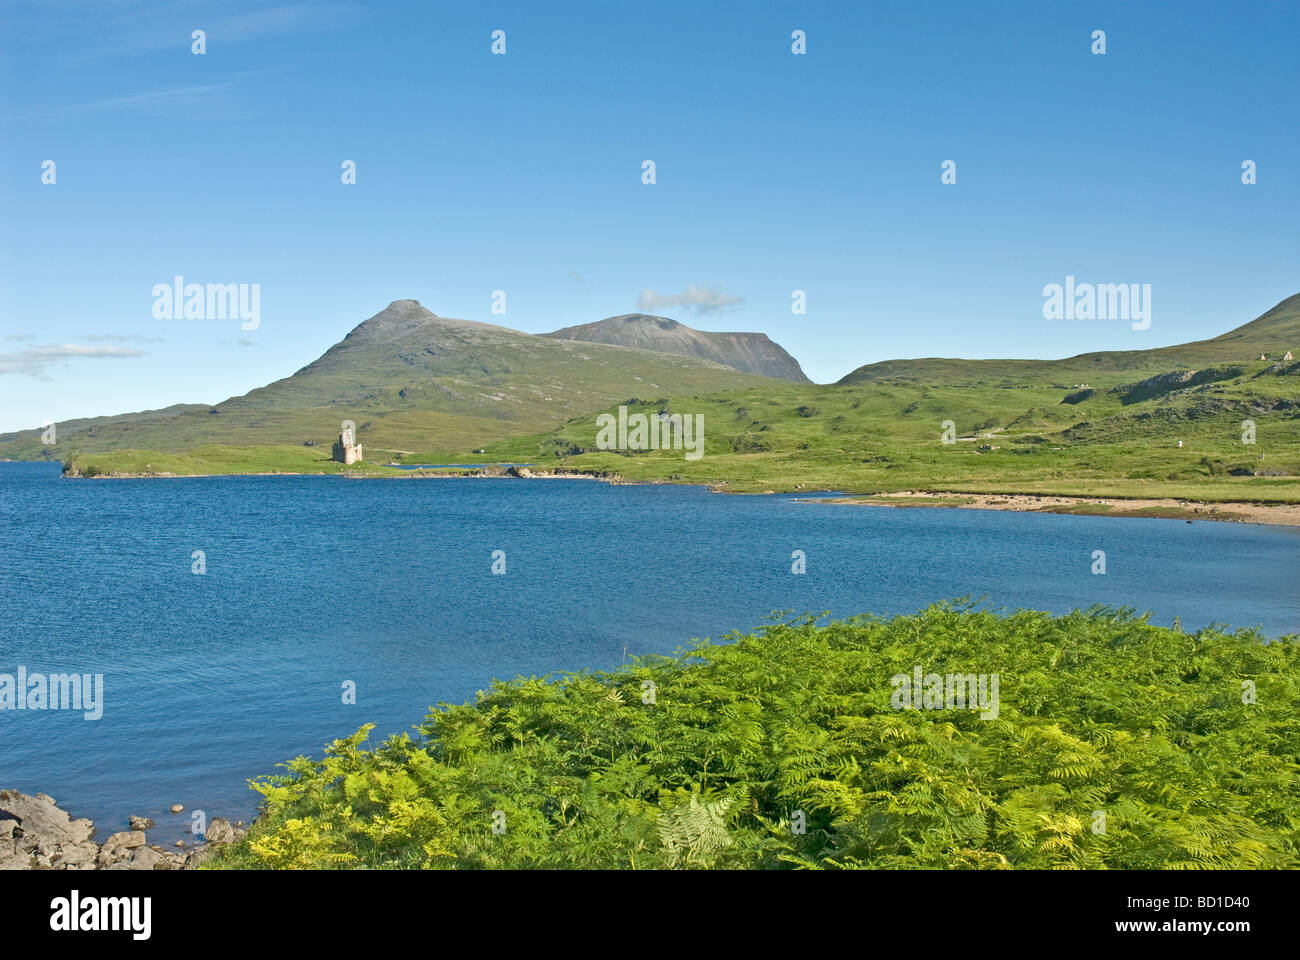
point(746, 352)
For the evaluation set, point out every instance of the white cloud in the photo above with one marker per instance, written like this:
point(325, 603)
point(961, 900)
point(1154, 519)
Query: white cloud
point(699, 299)
point(35, 360)
point(123, 337)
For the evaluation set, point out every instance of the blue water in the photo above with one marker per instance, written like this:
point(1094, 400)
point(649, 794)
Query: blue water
point(312, 581)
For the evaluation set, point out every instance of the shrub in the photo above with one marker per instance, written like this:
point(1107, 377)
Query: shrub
point(1099, 713)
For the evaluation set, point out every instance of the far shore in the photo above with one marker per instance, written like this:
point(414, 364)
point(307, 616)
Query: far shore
point(1243, 511)
point(1273, 514)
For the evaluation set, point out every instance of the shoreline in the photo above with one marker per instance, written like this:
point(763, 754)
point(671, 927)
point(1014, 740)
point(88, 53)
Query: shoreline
point(1167, 508)
point(37, 834)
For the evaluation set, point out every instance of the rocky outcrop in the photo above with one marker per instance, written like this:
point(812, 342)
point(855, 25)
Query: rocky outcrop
point(36, 835)
point(746, 352)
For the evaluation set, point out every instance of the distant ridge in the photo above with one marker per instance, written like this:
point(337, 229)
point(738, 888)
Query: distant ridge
point(1273, 334)
point(746, 352)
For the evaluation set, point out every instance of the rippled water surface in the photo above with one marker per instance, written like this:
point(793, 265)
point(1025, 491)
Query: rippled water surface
point(314, 581)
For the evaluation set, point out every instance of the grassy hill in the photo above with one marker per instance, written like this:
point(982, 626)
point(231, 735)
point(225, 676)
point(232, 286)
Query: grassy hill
point(1098, 425)
point(1120, 439)
point(1273, 333)
point(409, 380)
point(427, 390)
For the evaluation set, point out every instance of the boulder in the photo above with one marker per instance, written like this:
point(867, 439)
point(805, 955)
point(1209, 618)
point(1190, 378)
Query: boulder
point(198, 855)
point(77, 856)
point(220, 831)
point(118, 847)
point(141, 823)
point(145, 858)
point(126, 840)
point(34, 833)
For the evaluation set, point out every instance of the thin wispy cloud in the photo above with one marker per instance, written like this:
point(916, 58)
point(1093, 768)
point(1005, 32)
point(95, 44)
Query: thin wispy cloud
point(21, 336)
point(290, 18)
point(699, 299)
point(122, 338)
point(35, 361)
point(167, 96)
point(128, 29)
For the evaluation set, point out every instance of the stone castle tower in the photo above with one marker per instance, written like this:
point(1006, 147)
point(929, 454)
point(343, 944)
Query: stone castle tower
point(346, 449)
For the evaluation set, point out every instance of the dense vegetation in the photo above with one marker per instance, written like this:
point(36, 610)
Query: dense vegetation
point(1100, 713)
point(1119, 438)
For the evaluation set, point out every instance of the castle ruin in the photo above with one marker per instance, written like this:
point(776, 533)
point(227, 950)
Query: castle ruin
point(346, 449)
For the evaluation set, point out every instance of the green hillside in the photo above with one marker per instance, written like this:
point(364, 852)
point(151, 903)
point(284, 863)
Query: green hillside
point(409, 380)
point(1273, 334)
point(1120, 439)
point(427, 390)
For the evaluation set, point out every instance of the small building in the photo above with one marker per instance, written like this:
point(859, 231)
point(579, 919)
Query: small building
point(1263, 356)
point(1288, 356)
point(346, 450)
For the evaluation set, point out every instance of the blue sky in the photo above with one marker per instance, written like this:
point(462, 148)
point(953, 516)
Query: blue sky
point(522, 172)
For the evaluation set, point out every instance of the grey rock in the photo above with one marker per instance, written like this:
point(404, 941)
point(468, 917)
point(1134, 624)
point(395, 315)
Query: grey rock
point(77, 856)
point(39, 816)
point(747, 352)
point(198, 855)
point(126, 839)
point(37, 835)
point(12, 859)
point(118, 847)
point(145, 858)
point(220, 831)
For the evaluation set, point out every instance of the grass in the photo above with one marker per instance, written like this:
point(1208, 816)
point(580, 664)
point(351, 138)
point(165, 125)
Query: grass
point(408, 381)
point(1138, 425)
point(884, 436)
point(878, 437)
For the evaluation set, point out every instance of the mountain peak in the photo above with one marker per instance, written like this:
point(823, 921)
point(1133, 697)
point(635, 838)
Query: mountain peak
point(404, 305)
point(746, 352)
point(631, 319)
point(396, 320)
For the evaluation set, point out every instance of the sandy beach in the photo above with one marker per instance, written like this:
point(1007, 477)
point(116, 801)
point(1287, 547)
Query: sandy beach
point(1274, 514)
